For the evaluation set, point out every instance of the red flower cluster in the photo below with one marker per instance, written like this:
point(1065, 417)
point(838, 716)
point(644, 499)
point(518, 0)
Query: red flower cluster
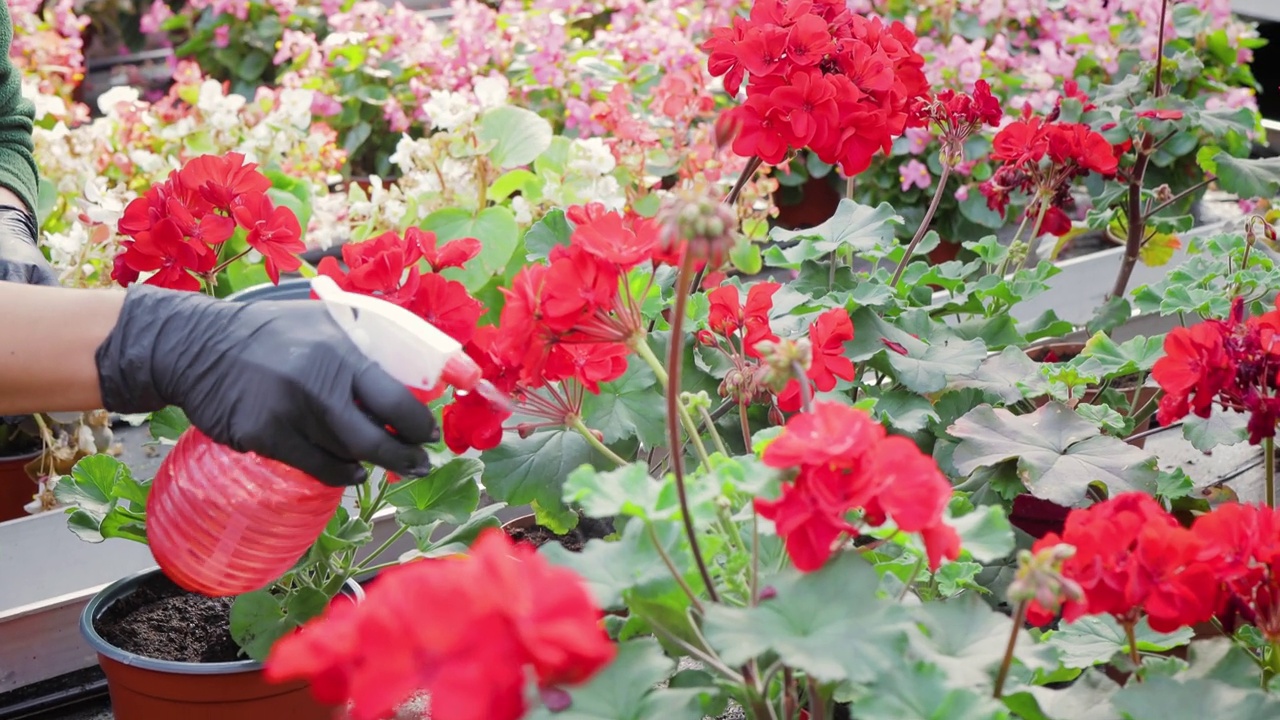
point(736, 330)
point(177, 227)
point(847, 462)
point(820, 77)
point(1242, 545)
point(497, 617)
point(1233, 362)
point(1041, 158)
point(388, 267)
point(1133, 557)
point(956, 116)
point(567, 322)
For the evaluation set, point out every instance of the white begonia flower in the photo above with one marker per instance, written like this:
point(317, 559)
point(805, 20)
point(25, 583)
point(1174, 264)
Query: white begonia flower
point(295, 105)
point(339, 39)
point(449, 110)
point(491, 91)
point(100, 204)
point(606, 191)
point(591, 157)
point(110, 101)
point(64, 248)
point(522, 210)
point(213, 100)
point(46, 105)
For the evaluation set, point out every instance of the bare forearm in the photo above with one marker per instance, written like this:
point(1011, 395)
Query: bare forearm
point(48, 337)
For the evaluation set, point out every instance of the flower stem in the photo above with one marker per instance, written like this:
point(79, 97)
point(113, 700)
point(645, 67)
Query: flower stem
point(1034, 241)
point(1019, 617)
point(1132, 638)
point(594, 442)
point(806, 392)
point(364, 564)
point(817, 703)
point(645, 352)
point(711, 428)
point(745, 422)
point(924, 226)
point(748, 172)
point(675, 360)
point(671, 567)
point(224, 265)
point(1269, 463)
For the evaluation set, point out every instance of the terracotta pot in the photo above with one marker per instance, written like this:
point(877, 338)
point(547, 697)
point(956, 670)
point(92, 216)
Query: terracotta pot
point(144, 688)
point(524, 522)
point(16, 486)
point(945, 252)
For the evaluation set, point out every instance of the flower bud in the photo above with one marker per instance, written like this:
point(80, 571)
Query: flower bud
point(768, 592)
point(1039, 577)
point(524, 430)
point(726, 129)
point(775, 416)
point(1164, 194)
point(783, 360)
point(698, 224)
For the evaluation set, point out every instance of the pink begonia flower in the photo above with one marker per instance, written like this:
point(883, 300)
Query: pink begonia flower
point(918, 140)
point(324, 105)
point(1249, 206)
point(915, 174)
point(222, 36)
point(155, 16)
point(962, 193)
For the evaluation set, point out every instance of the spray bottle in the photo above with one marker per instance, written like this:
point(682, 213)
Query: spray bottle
point(224, 523)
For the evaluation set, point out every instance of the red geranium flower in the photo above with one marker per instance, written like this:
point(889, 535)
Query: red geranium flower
point(471, 422)
point(221, 180)
point(589, 364)
point(624, 241)
point(454, 253)
point(1132, 556)
point(273, 231)
point(1194, 369)
point(846, 462)
point(383, 266)
point(498, 614)
point(446, 305)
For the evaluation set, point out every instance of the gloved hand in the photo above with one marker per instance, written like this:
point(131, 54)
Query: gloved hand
point(280, 379)
point(20, 258)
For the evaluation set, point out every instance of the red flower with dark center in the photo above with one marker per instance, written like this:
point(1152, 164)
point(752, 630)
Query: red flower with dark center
point(165, 252)
point(809, 103)
point(809, 41)
point(273, 231)
point(383, 266)
point(831, 434)
point(808, 529)
point(500, 615)
point(765, 131)
point(762, 49)
point(827, 336)
point(1021, 142)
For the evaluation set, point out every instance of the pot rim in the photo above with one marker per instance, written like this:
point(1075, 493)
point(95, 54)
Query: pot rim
point(239, 295)
point(23, 457)
point(118, 589)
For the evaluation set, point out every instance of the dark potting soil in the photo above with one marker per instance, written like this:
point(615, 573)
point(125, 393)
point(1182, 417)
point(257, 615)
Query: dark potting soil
point(574, 541)
point(162, 621)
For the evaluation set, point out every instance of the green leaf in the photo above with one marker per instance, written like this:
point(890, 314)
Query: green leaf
point(927, 368)
point(169, 423)
point(1095, 639)
point(105, 501)
point(632, 564)
point(519, 135)
point(523, 470)
point(549, 232)
point(257, 622)
point(495, 228)
point(630, 491)
point(1133, 356)
point(1221, 660)
point(251, 66)
point(512, 182)
point(1088, 698)
point(809, 627)
point(1059, 454)
point(745, 256)
point(626, 690)
point(854, 226)
point(629, 407)
point(904, 411)
point(1009, 377)
point(1113, 313)
point(966, 639)
point(448, 494)
point(1163, 698)
point(1245, 178)
point(305, 604)
point(1222, 427)
point(923, 692)
point(985, 533)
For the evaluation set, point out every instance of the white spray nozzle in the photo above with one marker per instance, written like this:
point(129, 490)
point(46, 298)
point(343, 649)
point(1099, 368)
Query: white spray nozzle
point(408, 348)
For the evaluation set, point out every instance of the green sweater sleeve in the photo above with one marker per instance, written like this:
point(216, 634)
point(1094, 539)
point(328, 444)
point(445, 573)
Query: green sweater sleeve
point(18, 170)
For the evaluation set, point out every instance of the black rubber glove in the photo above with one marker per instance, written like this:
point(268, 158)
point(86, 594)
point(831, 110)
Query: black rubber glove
point(20, 258)
point(277, 378)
